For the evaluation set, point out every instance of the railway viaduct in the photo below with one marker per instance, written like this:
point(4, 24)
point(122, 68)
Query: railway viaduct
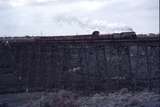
point(104, 62)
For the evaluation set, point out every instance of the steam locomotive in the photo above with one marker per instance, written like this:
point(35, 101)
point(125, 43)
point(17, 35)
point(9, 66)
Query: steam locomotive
point(122, 35)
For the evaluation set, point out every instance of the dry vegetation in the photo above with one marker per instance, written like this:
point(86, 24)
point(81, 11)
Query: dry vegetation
point(64, 98)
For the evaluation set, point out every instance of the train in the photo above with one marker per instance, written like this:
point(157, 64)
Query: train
point(122, 35)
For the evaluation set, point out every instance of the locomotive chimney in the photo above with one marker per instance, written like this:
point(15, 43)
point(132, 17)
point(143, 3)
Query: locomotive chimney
point(95, 33)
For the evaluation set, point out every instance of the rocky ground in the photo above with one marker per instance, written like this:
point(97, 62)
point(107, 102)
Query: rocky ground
point(63, 98)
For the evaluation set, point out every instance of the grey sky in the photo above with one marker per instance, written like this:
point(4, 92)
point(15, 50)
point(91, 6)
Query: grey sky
point(64, 17)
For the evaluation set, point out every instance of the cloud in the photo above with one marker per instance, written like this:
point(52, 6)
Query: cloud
point(61, 17)
point(16, 3)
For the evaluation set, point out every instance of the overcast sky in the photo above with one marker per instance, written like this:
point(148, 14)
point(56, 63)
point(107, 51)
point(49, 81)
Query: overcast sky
point(65, 17)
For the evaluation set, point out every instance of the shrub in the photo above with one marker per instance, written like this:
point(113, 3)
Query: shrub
point(62, 99)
